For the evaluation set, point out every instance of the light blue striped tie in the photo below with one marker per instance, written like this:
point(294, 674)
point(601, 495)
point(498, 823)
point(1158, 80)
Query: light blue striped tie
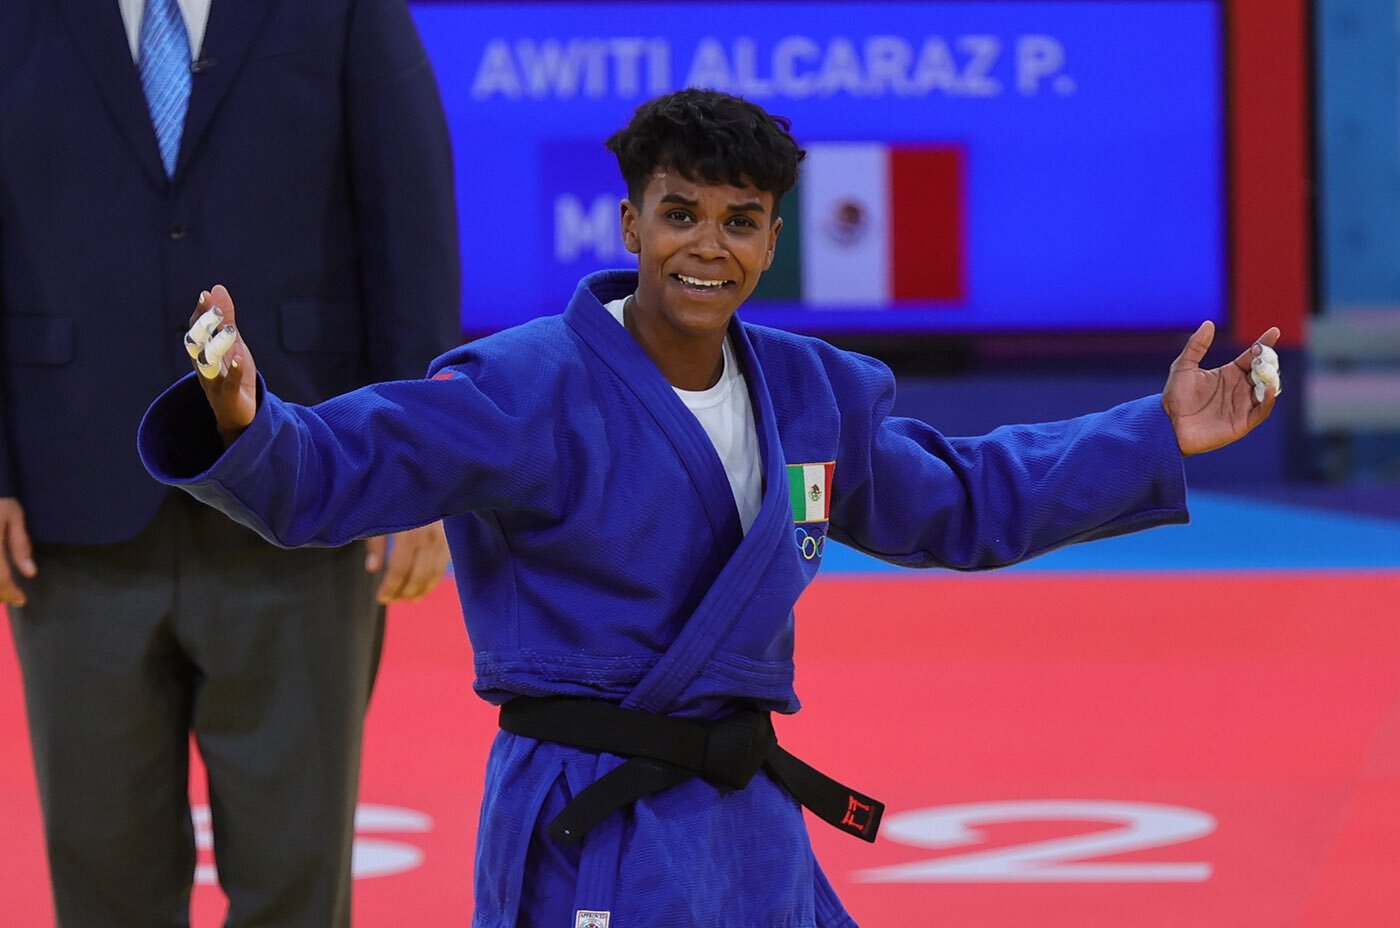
point(165, 75)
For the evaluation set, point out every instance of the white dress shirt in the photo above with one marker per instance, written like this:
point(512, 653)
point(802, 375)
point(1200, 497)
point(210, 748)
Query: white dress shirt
point(195, 13)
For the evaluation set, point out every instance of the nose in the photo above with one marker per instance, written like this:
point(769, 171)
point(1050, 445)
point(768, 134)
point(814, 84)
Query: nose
point(707, 241)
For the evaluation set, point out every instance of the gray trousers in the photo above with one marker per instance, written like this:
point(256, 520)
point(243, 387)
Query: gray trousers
point(198, 626)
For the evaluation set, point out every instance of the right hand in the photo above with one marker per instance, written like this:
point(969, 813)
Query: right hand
point(231, 382)
point(14, 549)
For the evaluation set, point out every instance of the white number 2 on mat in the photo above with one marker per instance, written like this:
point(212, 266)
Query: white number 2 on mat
point(1073, 859)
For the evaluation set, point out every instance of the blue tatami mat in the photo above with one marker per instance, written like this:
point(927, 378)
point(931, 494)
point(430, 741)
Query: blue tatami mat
point(1226, 532)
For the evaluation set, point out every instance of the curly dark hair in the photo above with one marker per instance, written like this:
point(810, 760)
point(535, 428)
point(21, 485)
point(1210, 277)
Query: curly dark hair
point(707, 135)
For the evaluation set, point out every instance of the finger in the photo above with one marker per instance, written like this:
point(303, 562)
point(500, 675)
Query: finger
point(201, 329)
point(10, 592)
point(210, 361)
point(395, 575)
point(374, 553)
point(201, 306)
point(21, 551)
point(1196, 346)
point(1266, 341)
point(1261, 412)
point(1264, 387)
point(419, 579)
point(219, 297)
point(419, 557)
point(431, 567)
point(1264, 370)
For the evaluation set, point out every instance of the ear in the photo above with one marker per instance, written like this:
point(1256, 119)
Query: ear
point(772, 243)
point(630, 239)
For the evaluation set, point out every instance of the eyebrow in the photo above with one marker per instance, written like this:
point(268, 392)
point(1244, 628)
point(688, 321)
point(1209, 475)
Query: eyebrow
point(748, 206)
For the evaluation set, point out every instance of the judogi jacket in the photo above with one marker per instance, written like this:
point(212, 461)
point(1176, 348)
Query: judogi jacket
point(598, 553)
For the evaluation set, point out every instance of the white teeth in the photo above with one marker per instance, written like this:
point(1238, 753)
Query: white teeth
point(697, 282)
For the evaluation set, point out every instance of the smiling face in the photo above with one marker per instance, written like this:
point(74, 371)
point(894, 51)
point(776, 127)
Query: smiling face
point(701, 248)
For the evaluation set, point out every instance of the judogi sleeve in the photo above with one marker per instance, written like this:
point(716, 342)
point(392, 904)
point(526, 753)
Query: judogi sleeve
point(907, 494)
point(380, 459)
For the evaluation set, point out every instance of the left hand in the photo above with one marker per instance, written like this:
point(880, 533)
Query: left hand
point(417, 561)
point(1210, 409)
point(231, 383)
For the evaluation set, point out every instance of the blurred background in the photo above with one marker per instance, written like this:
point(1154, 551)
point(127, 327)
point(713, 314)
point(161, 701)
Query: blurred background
point(1024, 208)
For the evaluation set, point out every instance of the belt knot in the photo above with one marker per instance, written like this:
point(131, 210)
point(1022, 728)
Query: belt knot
point(737, 747)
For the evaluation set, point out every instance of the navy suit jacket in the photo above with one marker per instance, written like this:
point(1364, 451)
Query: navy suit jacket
point(314, 180)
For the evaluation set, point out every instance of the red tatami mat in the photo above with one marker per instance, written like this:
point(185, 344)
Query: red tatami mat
point(1207, 749)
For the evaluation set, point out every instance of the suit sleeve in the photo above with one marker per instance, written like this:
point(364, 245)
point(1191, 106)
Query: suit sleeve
point(7, 484)
point(9, 43)
point(401, 174)
point(907, 494)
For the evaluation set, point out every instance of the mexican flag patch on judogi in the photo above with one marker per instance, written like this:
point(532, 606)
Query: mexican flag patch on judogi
point(809, 488)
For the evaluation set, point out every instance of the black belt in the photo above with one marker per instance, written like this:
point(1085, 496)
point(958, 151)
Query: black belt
point(663, 751)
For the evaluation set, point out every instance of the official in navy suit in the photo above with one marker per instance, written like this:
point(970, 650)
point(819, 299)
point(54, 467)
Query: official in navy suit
point(297, 151)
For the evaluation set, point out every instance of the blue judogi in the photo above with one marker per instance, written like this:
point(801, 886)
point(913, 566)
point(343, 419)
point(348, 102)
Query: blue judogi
point(599, 553)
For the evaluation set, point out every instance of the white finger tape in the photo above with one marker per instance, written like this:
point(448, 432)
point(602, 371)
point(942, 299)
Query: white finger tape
point(211, 360)
point(1263, 370)
point(199, 333)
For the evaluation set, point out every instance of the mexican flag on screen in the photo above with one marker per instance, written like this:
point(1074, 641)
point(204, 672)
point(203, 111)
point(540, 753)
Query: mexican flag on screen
point(872, 224)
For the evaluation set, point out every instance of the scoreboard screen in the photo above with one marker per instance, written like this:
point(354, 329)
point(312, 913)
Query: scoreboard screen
point(972, 167)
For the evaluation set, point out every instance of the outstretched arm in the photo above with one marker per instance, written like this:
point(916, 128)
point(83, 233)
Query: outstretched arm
point(1212, 408)
point(418, 558)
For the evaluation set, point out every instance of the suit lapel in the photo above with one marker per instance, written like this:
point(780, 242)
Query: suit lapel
point(100, 35)
point(228, 38)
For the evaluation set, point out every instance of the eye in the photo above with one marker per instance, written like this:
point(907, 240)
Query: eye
point(743, 222)
point(678, 215)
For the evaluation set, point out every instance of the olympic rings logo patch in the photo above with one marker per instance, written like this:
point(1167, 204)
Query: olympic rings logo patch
point(810, 545)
